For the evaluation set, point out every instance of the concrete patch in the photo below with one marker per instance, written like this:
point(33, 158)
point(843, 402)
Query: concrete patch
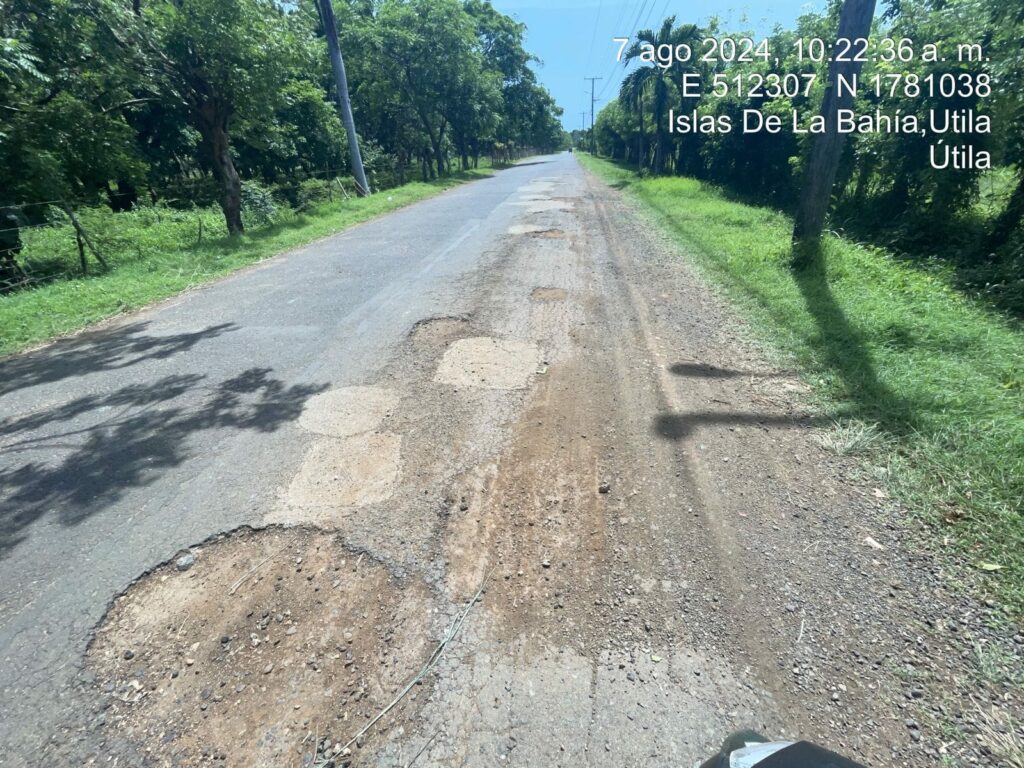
point(347, 410)
point(537, 187)
point(487, 362)
point(674, 711)
point(346, 472)
point(525, 229)
point(249, 657)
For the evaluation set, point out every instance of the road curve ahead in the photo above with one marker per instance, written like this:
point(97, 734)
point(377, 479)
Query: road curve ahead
point(510, 392)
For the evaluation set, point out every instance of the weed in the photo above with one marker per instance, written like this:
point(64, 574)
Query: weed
point(852, 437)
point(1002, 736)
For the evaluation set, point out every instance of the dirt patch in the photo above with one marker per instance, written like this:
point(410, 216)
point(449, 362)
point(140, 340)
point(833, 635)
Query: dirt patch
point(488, 362)
point(270, 643)
point(347, 410)
point(548, 294)
point(347, 472)
point(537, 518)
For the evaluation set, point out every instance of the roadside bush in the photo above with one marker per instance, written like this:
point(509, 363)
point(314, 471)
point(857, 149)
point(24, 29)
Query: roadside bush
point(258, 206)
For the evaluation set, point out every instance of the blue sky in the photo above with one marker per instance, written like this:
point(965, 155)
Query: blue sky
point(573, 37)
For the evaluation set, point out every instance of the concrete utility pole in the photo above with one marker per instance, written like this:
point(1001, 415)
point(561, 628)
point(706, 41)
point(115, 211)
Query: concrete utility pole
point(338, 65)
point(593, 145)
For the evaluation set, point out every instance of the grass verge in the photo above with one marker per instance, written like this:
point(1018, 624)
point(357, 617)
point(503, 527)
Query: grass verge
point(935, 379)
point(156, 253)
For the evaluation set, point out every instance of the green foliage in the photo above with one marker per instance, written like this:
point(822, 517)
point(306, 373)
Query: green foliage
point(887, 193)
point(179, 100)
point(937, 376)
point(258, 205)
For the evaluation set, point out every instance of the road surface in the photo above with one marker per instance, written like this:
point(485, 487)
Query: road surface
point(513, 390)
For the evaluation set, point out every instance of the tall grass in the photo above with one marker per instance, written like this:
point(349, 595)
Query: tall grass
point(939, 375)
point(155, 252)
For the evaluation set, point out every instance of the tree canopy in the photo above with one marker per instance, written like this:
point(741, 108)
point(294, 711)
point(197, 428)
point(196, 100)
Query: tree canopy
point(887, 189)
point(107, 100)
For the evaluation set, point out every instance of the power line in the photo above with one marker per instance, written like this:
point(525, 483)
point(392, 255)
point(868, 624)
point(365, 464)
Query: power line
point(633, 28)
point(650, 13)
point(593, 35)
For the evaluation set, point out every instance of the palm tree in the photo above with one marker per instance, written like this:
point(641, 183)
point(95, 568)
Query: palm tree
point(631, 96)
point(654, 78)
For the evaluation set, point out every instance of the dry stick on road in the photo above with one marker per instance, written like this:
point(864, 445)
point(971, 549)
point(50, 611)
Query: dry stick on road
point(422, 750)
point(434, 658)
point(251, 571)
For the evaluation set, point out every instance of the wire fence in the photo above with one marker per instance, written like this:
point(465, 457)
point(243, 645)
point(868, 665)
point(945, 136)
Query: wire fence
point(43, 240)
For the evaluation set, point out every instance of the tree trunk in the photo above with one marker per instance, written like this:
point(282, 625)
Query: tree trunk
point(216, 135)
point(640, 138)
point(863, 178)
point(819, 177)
point(1010, 218)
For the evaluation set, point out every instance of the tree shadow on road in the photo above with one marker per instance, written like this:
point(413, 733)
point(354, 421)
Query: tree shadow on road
point(74, 459)
point(95, 351)
point(705, 371)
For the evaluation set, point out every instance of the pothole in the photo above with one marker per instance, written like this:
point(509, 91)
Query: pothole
point(347, 472)
point(437, 331)
point(347, 410)
point(543, 206)
point(271, 642)
point(483, 361)
point(532, 230)
point(548, 294)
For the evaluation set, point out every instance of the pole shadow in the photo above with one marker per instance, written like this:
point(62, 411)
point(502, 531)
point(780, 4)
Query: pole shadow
point(843, 347)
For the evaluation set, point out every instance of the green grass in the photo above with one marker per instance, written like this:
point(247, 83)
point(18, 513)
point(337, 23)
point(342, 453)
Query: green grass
point(885, 345)
point(155, 253)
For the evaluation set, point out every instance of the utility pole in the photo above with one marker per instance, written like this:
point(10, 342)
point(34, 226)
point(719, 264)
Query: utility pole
point(593, 145)
point(338, 65)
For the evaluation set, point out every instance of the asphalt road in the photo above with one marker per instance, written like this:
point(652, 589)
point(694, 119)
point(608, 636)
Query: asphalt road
point(515, 390)
point(122, 446)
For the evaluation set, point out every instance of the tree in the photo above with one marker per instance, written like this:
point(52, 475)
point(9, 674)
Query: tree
point(654, 78)
point(66, 85)
point(224, 60)
point(819, 177)
point(408, 34)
